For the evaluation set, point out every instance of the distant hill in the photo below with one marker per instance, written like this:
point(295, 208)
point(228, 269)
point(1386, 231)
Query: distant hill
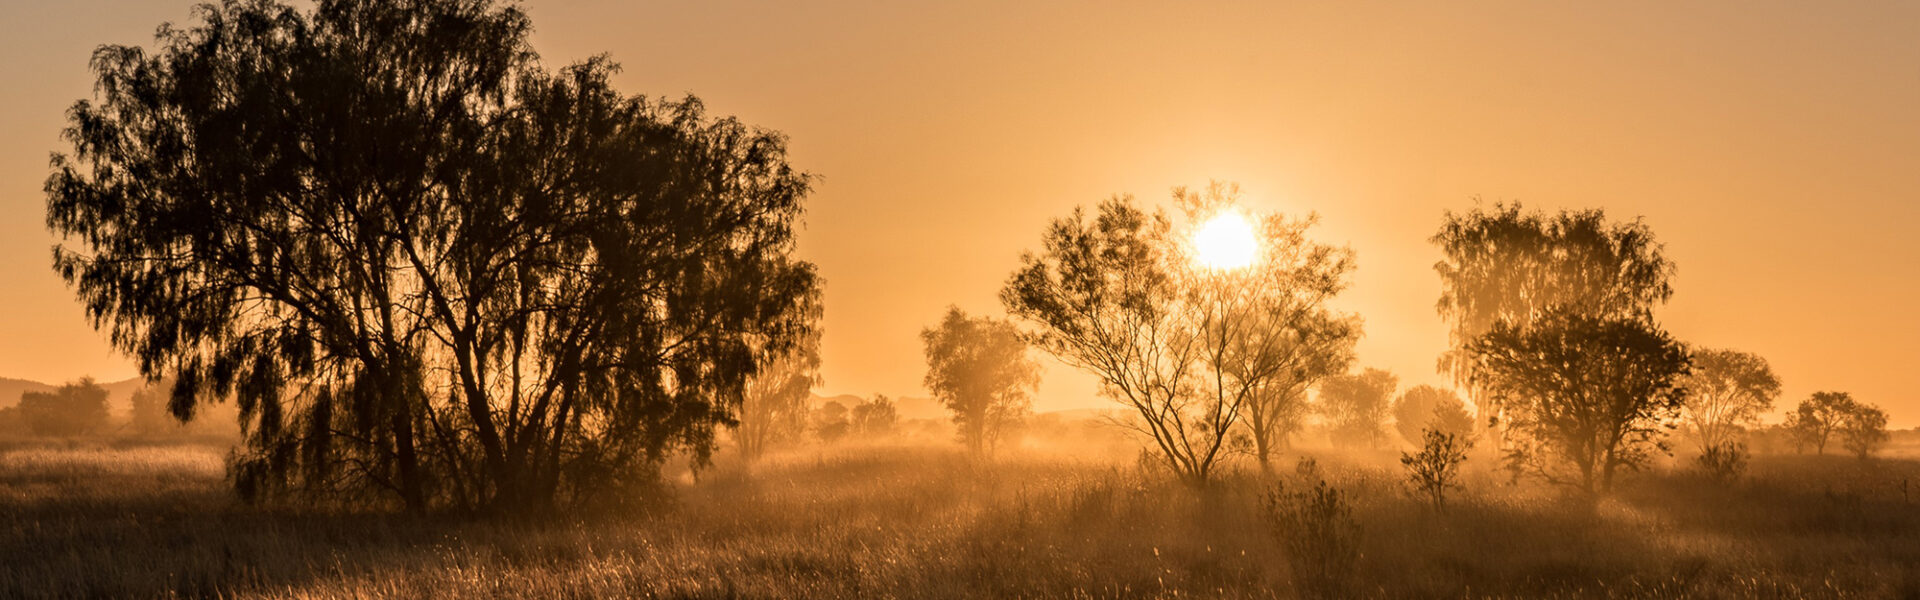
point(1084, 414)
point(11, 389)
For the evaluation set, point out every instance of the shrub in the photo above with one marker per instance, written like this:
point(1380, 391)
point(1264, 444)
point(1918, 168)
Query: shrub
point(1436, 467)
point(1316, 527)
point(1723, 462)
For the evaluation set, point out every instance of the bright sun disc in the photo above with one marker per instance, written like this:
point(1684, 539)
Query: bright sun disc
point(1226, 242)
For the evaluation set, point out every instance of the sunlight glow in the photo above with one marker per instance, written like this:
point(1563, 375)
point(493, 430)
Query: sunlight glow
point(1226, 241)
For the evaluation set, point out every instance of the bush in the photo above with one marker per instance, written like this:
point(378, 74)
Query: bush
point(1436, 467)
point(1316, 526)
point(1724, 462)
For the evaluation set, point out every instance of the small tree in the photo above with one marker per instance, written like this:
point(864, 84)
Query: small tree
point(1864, 430)
point(1727, 391)
point(1588, 392)
point(979, 369)
point(1356, 406)
point(148, 415)
point(1426, 407)
point(1815, 419)
point(1436, 467)
point(77, 408)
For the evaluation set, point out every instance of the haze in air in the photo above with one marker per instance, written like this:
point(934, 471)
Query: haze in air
point(483, 298)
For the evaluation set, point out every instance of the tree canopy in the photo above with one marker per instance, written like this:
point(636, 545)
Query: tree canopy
point(1423, 407)
point(1356, 406)
point(1727, 391)
point(1190, 348)
point(428, 269)
point(979, 368)
point(1593, 393)
point(1506, 264)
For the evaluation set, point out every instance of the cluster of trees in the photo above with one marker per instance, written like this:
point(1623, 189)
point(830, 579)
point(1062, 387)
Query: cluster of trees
point(80, 409)
point(870, 417)
point(1553, 328)
point(1551, 316)
point(1862, 428)
point(74, 409)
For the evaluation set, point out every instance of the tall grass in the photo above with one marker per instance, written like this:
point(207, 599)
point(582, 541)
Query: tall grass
point(903, 521)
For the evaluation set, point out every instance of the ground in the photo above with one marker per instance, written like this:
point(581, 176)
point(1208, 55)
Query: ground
point(923, 521)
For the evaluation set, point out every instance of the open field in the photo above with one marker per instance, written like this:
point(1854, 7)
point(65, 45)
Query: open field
point(901, 521)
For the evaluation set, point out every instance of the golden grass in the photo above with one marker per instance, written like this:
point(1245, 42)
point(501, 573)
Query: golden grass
point(897, 521)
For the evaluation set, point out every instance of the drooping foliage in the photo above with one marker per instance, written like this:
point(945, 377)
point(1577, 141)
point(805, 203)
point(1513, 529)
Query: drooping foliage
point(1506, 264)
point(428, 269)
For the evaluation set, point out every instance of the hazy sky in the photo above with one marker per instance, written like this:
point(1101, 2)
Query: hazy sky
point(1774, 147)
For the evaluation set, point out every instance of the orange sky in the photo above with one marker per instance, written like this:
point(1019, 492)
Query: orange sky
point(1774, 147)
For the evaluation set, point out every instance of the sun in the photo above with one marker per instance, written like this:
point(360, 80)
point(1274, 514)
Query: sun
point(1225, 242)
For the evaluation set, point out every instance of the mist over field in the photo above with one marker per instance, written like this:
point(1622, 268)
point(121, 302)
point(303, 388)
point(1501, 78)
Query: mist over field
point(421, 299)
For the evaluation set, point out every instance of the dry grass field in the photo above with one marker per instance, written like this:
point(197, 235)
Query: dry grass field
point(897, 521)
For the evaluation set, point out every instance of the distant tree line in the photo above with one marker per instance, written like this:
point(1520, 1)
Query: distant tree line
point(79, 409)
point(1552, 322)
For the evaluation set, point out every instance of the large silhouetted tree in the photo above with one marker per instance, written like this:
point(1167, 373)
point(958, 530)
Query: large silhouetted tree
point(1588, 392)
point(1267, 333)
point(427, 268)
point(1727, 391)
point(979, 368)
point(1425, 408)
point(1102, 295)
point(1356, 406)
point(1505, 264)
